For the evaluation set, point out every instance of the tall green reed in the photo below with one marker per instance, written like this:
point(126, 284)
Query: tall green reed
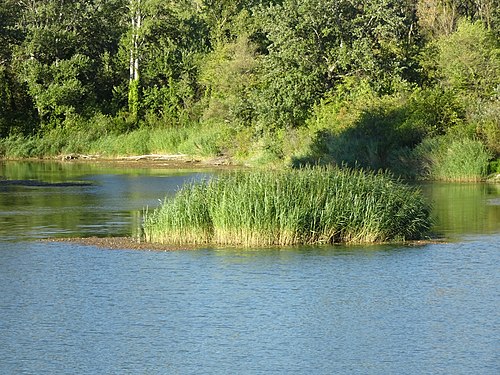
point(290, 207)
point(447, 159)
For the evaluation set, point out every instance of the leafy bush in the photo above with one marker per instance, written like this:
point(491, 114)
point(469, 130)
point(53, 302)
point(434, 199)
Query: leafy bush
point(228, 75)
point(494, 166)
point(469, 60)
point(486, 118)
point(361, 128)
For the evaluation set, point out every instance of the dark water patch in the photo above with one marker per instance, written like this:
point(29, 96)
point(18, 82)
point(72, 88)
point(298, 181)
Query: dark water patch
point(35, 183)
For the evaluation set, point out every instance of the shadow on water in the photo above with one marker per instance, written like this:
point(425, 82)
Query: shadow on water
point(283, 254)
point(35, 183)
point(464, 208)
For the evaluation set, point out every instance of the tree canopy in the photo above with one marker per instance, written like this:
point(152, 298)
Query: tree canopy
point(265, 65)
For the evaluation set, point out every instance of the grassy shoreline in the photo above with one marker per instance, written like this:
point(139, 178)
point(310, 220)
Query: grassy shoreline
point(441, 158)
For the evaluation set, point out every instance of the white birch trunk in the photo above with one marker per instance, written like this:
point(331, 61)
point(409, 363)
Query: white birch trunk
point(135, 19)
point(136, 40)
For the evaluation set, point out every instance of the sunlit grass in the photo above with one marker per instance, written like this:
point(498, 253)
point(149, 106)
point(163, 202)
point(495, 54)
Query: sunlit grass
point(310, 206)
point(445, 159)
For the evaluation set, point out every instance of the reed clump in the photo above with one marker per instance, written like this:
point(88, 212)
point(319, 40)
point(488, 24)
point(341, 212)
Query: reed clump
point(291, 207)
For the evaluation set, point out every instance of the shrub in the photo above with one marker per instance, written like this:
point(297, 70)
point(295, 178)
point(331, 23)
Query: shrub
point(469, 60)
point(358, 128)
point(494, 166)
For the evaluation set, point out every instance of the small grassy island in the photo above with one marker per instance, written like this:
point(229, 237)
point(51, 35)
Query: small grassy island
point(291, 207)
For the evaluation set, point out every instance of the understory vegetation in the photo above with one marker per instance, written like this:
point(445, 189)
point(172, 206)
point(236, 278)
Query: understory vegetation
point(407, 86)
point(308, 206)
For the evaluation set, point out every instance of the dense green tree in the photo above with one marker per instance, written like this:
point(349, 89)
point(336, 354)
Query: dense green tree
point(7, 22)
point(229, 75)
point(9, 33)
point(220, 16)
point(15, 104)
point(228, 19)
point(164, 43)
point(66, 48)
point(469, 61)
point(262, 67)
point(313, 45)
point(468, 64)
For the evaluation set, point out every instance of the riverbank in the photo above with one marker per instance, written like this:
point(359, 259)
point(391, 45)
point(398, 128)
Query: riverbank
point(120, 243)
point(153, 159)
point(186, 161)
point(130, 243)
point(174, 161)
point(444, 158)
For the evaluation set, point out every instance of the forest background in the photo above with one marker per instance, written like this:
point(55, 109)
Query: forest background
point(412, 86)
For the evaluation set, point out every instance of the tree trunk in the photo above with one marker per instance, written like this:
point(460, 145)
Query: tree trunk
point(133, 92)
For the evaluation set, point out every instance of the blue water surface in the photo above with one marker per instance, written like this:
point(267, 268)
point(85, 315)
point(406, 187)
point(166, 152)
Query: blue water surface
point(73, 309)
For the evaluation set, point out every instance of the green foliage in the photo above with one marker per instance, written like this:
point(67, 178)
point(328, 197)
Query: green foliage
point(494, 167)
point(357, 127)
point(5, 99)
point(16, 114)
point(227, 19)
point(107, 136)
point(431, 112)
point(330, 81)
point(133, 98)
point(440, 17)
point(171, 39)
point(132, 143)
point(486, 119)
point(62, 53)
point(309, 53)
point(469, 60)
point(312, 206)
point(57, 88)
point(444, 158)
point(9, 35)
point(228, 75)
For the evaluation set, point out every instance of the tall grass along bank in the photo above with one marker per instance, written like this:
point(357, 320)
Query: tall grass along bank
point(310, 206)
point(446, 159)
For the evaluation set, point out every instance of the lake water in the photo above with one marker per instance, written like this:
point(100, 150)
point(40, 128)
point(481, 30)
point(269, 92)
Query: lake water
point(74, 309)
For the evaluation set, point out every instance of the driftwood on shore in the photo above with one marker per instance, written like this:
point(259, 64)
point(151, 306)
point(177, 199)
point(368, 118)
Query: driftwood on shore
point(219, 160)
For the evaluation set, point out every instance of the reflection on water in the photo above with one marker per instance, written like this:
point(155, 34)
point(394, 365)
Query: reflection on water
point(465, 208)
point(109, 204)
point(72, 309)
point(113, 198)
